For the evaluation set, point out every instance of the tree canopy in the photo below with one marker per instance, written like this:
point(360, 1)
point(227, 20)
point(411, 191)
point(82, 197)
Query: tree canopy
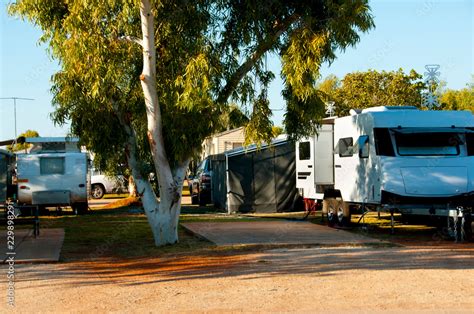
point(360, 90)
point(462, 99)
point(151, 79)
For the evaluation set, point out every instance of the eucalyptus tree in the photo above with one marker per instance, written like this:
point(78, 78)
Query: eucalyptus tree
point(151, 78)
point(371, 88)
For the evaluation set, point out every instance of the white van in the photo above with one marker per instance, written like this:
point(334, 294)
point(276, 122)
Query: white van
point(392, 159)
point(53, 173)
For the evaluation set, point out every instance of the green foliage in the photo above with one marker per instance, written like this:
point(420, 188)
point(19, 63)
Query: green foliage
point(462, 99)
point(277, 131)
point(307, 48)
point(23, 146)
point(232, 117)
point(302, 118)
point(260, 126)
point(208, 52)
point(360, 90)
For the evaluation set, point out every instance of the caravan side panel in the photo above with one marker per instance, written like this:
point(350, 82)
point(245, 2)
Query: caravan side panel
point(52, 172)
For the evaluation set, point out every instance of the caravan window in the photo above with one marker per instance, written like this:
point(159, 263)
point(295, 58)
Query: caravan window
point(363, 144)
point(470, 144)
point(52, 165)
point(383, 142)
point(305, 151)
point(345, 147)
point(427, 144)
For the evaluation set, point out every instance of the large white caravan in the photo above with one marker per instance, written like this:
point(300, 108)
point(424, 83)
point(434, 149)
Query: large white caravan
point(54, 172)
point(390, 158)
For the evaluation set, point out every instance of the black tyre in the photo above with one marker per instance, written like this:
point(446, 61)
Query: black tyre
point(329, 209)
point(97, 191)
point(203, 199)
point(194, 199)
point(343, 213)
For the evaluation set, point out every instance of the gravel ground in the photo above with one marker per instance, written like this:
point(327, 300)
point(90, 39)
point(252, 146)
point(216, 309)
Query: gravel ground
point(282, 280)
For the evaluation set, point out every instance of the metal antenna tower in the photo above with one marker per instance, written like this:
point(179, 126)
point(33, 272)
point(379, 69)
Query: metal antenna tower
point(14, 108)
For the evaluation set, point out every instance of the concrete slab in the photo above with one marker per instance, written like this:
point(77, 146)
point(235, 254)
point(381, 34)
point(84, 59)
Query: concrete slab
point(45, 248)
point(275, 233)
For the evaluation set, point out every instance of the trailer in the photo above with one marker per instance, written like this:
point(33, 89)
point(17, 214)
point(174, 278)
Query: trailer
point(396, 159)
point(53, 173)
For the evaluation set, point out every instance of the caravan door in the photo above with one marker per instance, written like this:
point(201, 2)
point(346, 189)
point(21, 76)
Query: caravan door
point(305, 167)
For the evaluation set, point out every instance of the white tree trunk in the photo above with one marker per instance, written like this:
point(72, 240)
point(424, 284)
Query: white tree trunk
point(162, 216)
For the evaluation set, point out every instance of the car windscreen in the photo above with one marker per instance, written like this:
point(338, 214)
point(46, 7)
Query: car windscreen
point(428, 144)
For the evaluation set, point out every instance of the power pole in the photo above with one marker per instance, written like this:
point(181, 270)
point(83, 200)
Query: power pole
point(14, 108)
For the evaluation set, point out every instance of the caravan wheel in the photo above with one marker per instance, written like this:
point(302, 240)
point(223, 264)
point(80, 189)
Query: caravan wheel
point(80, 208)
point(343, 214)
point(330, 209)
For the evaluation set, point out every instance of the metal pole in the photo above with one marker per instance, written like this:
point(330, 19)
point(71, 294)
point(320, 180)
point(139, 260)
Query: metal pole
point(14, 115)
point(14, 109)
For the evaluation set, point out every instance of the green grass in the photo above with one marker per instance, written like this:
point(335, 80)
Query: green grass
point(121, 232)
point(114, 233)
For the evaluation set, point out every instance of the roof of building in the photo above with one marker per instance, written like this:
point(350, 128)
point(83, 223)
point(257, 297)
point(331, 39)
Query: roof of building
point(248, 149)
point(227, 132)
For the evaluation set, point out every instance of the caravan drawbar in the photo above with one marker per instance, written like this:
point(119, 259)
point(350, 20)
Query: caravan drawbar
point(397, 159)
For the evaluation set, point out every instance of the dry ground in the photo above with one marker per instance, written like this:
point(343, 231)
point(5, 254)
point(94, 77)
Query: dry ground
point(282, 280)
point(426, 275)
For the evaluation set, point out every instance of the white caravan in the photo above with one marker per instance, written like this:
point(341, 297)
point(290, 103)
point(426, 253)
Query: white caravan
point(53, 173)
point(392, 159)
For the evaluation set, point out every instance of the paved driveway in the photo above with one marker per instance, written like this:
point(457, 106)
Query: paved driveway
point(274, 232)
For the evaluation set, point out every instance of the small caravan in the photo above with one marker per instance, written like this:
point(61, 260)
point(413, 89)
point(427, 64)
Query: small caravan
point(390, 158)
point(53, 173)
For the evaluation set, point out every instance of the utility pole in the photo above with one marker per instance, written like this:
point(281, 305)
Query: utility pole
point(14, 108)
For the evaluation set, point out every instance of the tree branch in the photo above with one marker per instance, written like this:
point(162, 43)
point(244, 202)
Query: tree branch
point(260, 50)
point(132, 40)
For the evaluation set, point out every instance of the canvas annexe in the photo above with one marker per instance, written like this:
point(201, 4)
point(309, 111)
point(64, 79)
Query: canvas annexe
point(396, 159)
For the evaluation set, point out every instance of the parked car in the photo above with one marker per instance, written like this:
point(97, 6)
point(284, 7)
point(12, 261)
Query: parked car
point(102, 184)
point(200, 183)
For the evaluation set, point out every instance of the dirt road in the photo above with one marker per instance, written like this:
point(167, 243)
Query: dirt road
point(284, 280)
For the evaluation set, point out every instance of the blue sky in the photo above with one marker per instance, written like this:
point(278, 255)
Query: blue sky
point(408, 35)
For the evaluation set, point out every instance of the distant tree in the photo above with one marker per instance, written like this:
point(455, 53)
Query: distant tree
point(277, 130)
point(360, 90)
point(23, 146)
point(329, 87)
point(232, 117)
point(462, 99)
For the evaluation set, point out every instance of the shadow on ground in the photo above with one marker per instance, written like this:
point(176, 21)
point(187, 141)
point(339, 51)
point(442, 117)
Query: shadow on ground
point(253, 264)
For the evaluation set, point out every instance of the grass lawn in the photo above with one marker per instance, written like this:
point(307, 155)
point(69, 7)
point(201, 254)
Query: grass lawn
point(123, 231)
